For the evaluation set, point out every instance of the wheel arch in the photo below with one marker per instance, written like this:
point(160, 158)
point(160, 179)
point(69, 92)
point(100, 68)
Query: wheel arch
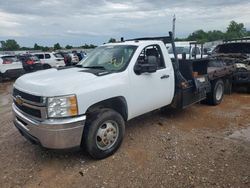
point(47, 66)
point(119, 104)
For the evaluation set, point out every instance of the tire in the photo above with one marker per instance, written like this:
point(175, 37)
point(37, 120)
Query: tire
point(216, 95)
point(228, 87)
point(1, 78)
point(46, 66)
point(248, 89)
point(103, 133)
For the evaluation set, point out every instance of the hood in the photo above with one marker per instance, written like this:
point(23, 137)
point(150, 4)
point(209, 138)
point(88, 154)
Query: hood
point(54, 82)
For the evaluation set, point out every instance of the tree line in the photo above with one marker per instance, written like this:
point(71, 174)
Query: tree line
point(12, 45)
point(234, 30)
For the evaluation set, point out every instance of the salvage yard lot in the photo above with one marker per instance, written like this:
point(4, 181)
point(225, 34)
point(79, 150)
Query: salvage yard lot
point(195, 147)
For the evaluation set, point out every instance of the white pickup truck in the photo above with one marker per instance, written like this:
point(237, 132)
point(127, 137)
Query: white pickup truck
point(88, 105)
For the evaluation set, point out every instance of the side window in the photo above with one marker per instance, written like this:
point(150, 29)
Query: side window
point(40, 56)
point(149, 51)
point(47, 56)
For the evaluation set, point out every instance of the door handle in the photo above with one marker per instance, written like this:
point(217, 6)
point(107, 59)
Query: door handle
point(164, 76)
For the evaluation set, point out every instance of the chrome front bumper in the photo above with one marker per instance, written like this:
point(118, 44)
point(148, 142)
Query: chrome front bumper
point(51, 133)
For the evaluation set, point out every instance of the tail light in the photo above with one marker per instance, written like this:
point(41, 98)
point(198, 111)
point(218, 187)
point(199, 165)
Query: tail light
point(30, 62)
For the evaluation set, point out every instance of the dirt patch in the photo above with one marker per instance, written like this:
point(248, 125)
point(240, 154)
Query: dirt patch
point(202, 146)
point(243, 134)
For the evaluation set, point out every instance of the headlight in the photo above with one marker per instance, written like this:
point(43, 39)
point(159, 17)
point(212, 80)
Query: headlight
point(63, 106)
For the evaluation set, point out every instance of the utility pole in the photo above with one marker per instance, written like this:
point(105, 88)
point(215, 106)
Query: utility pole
point(173, 28)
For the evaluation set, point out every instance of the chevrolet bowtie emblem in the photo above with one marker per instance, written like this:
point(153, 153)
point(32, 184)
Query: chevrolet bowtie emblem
point(19, 100)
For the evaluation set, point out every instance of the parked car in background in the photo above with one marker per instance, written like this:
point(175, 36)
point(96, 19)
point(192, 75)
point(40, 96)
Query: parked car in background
point(66, 56)
point(236, 52)
point(81, 55)
point(50, 59)
point(30, 62)
point(10, 67)
point(74, 58)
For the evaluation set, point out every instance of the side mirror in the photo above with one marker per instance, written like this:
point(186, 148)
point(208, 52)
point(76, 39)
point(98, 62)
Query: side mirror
point(149, 66)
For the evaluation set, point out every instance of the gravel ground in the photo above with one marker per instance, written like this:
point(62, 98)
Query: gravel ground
point(202, 146)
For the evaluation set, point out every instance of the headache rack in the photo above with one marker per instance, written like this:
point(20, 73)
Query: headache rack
point(164, 39)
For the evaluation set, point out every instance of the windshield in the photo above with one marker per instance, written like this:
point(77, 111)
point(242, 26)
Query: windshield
point(10, 58)
point(111, 58)
point(179, 50)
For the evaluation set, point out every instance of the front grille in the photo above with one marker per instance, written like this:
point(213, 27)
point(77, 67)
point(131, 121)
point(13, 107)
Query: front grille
point(29, 111)
point(26, 96)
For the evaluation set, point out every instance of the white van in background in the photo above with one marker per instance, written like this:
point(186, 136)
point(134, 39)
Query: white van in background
point(50, 59)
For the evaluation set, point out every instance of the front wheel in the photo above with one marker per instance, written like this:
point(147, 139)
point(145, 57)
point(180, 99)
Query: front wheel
point(216, 95)
point(103, 133)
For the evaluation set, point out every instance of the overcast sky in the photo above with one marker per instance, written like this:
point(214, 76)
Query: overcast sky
point(76, 22)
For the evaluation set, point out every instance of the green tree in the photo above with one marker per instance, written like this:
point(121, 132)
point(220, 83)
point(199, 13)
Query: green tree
point(86, 46)
point(235, 30)
point(68, 47)
point(199, 35)
point(10, 45)
point(45, 49)
point(215, 35)
point(92, 46)
point(57, 46)
point(38, 47)
point(112, 40)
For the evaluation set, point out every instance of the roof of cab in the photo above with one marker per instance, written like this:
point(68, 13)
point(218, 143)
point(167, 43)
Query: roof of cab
point(135, 42)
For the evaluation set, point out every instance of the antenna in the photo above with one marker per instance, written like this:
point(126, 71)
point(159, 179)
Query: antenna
point(173, 28)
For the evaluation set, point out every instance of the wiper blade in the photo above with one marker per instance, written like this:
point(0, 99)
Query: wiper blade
point(95, 67)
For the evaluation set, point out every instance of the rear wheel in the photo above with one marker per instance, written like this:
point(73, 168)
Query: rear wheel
point(103, 133)
point(216, 95)
point(46, 66)
point(248, 89)
point(1, 77)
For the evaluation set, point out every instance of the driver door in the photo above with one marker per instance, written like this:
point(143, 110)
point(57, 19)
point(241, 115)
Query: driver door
point(149, 91)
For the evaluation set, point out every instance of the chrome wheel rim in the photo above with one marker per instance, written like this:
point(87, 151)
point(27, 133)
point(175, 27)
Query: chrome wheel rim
point(107, 135)
point(219, 92)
